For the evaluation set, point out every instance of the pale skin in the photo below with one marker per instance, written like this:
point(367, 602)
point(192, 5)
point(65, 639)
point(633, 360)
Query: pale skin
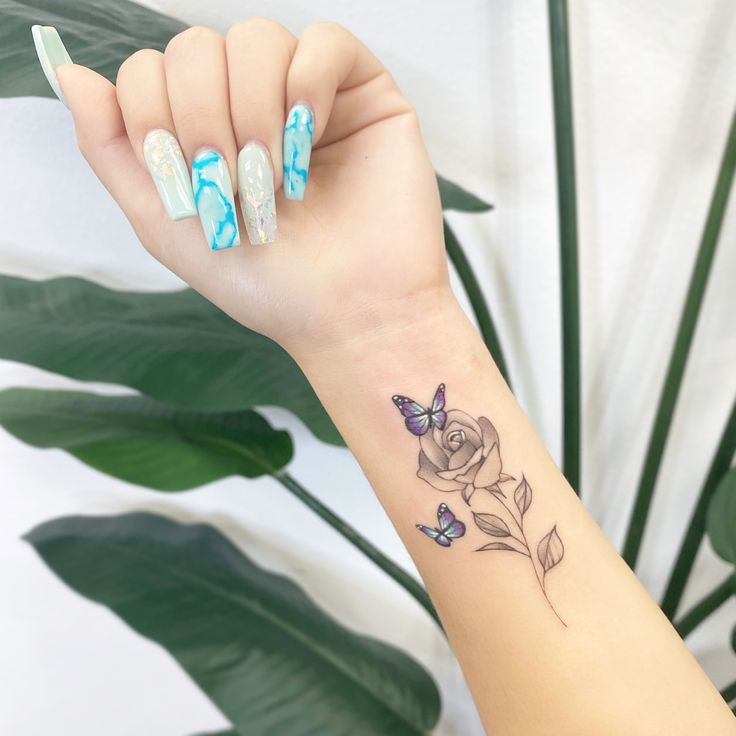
point(356, 288)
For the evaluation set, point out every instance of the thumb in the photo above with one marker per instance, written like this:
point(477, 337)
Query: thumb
point(99, 125)
point(103, 140)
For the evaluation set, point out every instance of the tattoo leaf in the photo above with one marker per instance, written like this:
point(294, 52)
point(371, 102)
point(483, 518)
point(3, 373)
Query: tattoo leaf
point(496, 491)
point(498, 545)
point(550, 550)
point(523, 496)
point(492, 524)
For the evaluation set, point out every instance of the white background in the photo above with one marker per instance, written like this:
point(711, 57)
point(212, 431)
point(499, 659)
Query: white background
point(654, 91)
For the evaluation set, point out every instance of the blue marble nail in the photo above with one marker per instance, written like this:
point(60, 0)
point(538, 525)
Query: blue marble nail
point(213, 195)
point(298, 133)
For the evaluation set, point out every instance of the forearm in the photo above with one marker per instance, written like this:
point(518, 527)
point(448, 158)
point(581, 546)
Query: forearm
point(555, 635)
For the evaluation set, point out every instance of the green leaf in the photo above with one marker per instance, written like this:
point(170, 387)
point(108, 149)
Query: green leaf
point(482, 312)
point(681, 349)
point(175, 347)
point(721, 519)
point(98, 34)
point(696, 528)
point(706, 606)
point(271, 660)
point(454, 197)
point(142, 441)
point(568, 235)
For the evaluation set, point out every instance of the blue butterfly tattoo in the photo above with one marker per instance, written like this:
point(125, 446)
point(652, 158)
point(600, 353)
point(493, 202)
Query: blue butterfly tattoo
point(449, 527)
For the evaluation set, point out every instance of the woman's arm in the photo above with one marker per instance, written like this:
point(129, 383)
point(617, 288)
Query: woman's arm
point(553, 632)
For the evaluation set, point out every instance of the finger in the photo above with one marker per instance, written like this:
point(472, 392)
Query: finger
point(329, 59)
point(257, 99)
point(257, 103)
point(144, 103)
point(197, 84)
point(103, 140)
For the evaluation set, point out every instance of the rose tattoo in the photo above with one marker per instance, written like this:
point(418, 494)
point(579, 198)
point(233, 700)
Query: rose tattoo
point(464, 456)
point(461, 454)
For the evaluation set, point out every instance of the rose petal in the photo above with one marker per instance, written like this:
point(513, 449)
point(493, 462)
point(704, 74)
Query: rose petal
point(471, 435)
point(457, 419)
point(465, 469)
point(428, 474)
point(435, 454)
point(459, 458)
point(490, 470)
point(490, 435)
point(469, 475)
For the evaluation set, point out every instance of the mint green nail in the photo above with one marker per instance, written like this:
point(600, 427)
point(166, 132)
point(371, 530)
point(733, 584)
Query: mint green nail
point(51, 53)
point(298, 133)
point(213, 195)
point(169, 172)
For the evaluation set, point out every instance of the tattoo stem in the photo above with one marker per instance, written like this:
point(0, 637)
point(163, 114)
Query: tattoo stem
point(406, 581)
point(540, 579)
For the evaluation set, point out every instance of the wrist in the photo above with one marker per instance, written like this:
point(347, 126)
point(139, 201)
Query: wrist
point(393, 341)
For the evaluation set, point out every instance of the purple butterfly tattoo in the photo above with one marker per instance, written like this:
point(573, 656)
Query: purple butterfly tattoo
point(449, 527)
point(418, 419)
point(462, 455)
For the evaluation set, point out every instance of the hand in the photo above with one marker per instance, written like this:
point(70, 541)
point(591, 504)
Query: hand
point(364, 249)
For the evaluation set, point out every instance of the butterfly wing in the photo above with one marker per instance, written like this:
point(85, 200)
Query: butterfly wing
point(438, 413)
point(417, 417)
point(439, 399)
point(418, 425)
point(455, 530)
point(435, 534)
point(449, 525)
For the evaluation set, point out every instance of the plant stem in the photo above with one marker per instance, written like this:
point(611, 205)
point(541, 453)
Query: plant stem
point(487, 328)
point(567, 215)
point(729, 693)
point(700, 611)
point(696, 529)
point(406, 581)
point(680, 350)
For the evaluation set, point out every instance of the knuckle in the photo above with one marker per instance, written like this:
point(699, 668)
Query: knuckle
point(255, 26)
point(327, 28)
point(141, 58)
point(259, 32)
point(191, 37)
point(196, 116)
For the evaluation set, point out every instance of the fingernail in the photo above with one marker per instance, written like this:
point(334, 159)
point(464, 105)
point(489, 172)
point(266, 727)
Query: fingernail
point(297, 150)
point(255, 185)
point(170, 174)
point(51, 53)
point(213, 196)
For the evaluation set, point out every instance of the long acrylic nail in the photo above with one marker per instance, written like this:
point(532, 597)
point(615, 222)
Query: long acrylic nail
point(213, 195)
point(170, 174)
point(255, 184)
point(51, 53)
point(298, 133)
